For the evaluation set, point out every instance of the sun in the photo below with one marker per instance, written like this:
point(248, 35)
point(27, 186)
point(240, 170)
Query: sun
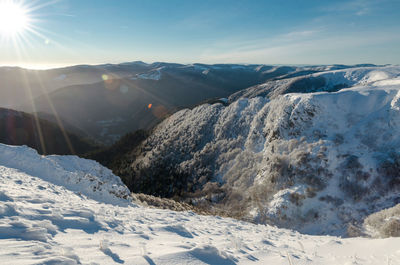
point(14, 18)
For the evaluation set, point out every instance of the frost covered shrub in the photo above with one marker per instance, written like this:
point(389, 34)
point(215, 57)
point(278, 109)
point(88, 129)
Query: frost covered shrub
point(352, 178)
point(385, 223)
point(260, 196)
point(280, 170)
point(332, 200)
point(389, 169)
point(163, 203)
point(297, 198)
point(391, 228)
point(296, 162)
point(287, 164)
point(338, 139)
point(236, 203)
point(213, 192)
point(353, 188)
point(354, 230)
point(162, 179)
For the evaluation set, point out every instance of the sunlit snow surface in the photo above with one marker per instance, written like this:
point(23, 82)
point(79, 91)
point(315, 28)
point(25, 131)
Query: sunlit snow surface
point(61, 210)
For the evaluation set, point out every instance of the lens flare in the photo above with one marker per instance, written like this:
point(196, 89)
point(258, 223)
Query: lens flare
point(160, 111)
point(14, 18)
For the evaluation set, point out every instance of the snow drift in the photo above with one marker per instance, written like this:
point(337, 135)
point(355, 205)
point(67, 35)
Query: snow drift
point(78, 175)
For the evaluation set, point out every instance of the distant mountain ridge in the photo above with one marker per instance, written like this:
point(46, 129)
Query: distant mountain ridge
point(131, 96)
point(331, 81)
point(107, 101)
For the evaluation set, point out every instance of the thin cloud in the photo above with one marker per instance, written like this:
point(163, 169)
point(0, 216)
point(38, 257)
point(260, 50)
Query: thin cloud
point(66, 15)
point(301, 34)
point(245, 45)
point(312, 51)
point(356, 7)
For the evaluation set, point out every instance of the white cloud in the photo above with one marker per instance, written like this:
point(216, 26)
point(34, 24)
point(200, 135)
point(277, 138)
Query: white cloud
point(303, 33)
point(304, 47)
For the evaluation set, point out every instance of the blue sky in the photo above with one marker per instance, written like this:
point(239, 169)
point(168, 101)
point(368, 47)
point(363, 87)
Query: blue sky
point(220, 31)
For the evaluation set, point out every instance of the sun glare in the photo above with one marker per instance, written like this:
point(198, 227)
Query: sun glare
point(14, 18)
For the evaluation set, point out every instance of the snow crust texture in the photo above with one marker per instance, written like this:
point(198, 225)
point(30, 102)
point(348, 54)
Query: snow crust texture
point(314, 160)
point(49, 216)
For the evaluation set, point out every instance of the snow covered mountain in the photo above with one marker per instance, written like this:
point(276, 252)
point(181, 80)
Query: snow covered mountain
point(330, 81)
point(20, 86)
point(79, 95)
point(287, 152)
point(67, 210)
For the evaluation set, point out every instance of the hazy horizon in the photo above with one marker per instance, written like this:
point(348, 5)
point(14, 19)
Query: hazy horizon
point(50, 67)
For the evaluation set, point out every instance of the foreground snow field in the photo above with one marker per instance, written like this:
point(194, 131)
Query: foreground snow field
point(62, 210)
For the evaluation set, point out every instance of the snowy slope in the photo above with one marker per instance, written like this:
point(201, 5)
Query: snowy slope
point(316, 162)
point(332, 80)
point(49, 216)
point(153, 75)
point(85, 177)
